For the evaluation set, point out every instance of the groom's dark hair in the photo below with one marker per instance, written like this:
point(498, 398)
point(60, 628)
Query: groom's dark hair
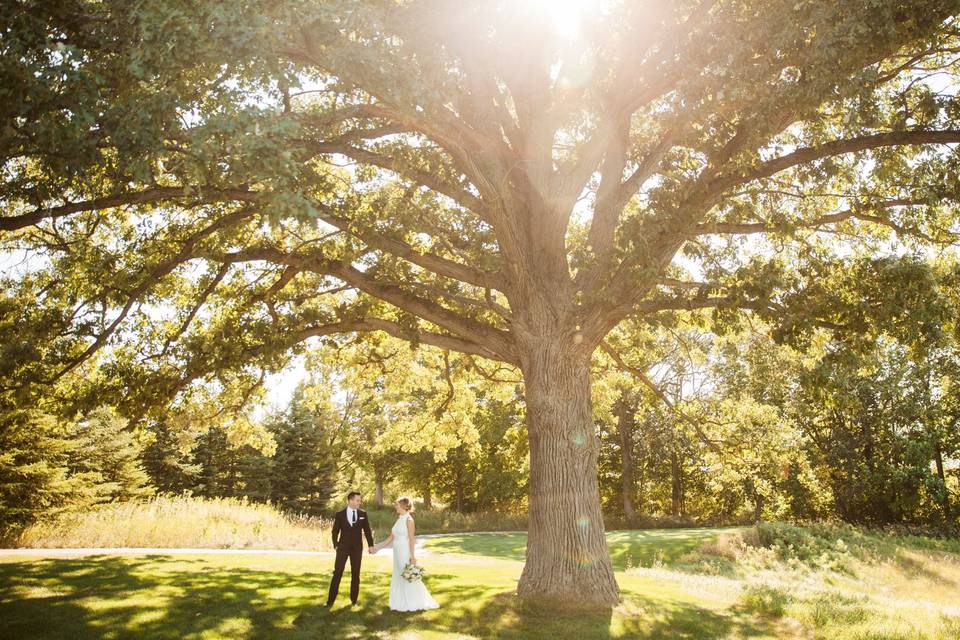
point(351, 494)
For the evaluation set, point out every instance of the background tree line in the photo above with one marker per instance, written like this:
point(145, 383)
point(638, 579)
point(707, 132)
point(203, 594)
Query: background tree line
point(740, 425)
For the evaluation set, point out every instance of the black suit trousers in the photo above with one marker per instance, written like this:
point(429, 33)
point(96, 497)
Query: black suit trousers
point(355, 554)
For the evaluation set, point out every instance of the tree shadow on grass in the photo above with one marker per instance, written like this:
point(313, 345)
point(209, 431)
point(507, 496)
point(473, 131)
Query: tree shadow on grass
point(626, 547)
point(508, 546)
point(915, 568)
point(687, 622)
point(640, 548)
point(637, 617)
point(149, 597)
point(167, 597)
point(108, 596)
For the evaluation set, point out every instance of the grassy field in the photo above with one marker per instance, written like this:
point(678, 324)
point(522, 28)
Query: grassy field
point(774, 581)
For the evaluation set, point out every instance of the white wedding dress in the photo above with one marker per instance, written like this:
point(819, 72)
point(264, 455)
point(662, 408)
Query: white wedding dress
point(406, 596)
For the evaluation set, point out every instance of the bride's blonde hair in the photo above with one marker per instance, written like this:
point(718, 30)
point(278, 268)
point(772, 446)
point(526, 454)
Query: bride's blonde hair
point(406, 502)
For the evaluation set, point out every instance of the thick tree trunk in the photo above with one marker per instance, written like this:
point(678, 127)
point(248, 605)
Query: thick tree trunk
point(641, 471)
point(676, 485)
point(625, 409)
point(378, 488)
point(757, 506)
point(938, 457)
point(427, 494)
point(458, 491)
point(567, 556)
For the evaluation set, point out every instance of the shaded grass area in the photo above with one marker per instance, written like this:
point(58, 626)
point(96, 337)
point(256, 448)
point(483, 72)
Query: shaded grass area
point(505, 546)
point(234, 596)
point(641, 548)
point(772, 581)
point(649, 547)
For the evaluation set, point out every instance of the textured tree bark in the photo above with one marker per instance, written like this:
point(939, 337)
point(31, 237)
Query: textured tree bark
point(378, 488)
point(427, 493)
point(641, 472)
point(458, 491)
point(676, 482)
point(567, 556)
point(938, 457)
point(624, 409)
point(757, 506)
point(626, 423)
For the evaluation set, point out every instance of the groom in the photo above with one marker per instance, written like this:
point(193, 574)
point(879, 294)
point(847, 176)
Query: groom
point(347, 526)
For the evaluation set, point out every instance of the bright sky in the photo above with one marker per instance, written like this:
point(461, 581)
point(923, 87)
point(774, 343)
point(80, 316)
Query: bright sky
point(567, 14)
point(280, 385)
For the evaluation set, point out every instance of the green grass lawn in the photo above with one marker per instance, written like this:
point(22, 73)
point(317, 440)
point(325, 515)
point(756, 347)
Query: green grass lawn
point(472, 576)
point(627, 548)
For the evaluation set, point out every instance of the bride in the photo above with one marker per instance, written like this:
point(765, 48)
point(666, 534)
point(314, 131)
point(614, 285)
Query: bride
point(404, 595)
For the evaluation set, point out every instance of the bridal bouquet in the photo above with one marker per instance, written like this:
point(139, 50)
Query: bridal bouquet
point(412, 572)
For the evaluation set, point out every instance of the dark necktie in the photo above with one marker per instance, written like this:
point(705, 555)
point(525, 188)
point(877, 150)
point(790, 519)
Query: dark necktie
point(353, 518)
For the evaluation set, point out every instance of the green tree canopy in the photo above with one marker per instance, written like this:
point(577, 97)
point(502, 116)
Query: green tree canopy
point(205, 185)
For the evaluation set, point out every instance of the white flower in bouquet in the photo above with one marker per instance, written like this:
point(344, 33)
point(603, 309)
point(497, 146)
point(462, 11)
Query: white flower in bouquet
point(412, 572)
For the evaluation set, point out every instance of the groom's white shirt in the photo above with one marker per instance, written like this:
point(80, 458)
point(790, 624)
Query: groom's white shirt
point(350, 517)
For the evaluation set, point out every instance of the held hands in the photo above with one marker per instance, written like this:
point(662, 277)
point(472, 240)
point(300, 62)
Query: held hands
point(413, 560)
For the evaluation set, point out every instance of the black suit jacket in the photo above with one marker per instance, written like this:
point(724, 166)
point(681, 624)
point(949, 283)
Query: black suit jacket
point(349, 537)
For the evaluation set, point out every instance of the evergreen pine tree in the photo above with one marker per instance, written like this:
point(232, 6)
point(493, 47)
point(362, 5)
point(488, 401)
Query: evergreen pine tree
point(171, 466)
point(304, 466)
point(35, 479)
point(106, 452)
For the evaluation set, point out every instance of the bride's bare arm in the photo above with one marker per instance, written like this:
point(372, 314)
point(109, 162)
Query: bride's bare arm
point(383, 543)
point(410, 530)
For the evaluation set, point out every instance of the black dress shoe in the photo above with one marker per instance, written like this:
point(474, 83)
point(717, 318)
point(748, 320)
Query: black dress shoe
point(353, 603)
point(328, 604)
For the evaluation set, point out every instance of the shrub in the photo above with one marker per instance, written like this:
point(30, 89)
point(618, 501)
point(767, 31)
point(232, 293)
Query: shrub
point(765, 600)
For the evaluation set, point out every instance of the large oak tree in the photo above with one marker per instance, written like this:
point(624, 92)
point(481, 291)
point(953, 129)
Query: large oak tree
point(203, 184)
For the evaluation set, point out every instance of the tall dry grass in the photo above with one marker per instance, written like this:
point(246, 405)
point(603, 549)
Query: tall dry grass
point(180, 521)
point(227, 523)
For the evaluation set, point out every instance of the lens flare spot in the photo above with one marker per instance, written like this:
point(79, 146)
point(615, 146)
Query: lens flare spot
point(582, 559)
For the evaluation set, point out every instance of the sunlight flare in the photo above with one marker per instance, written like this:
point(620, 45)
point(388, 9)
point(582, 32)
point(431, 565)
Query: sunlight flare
point(566, 16)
